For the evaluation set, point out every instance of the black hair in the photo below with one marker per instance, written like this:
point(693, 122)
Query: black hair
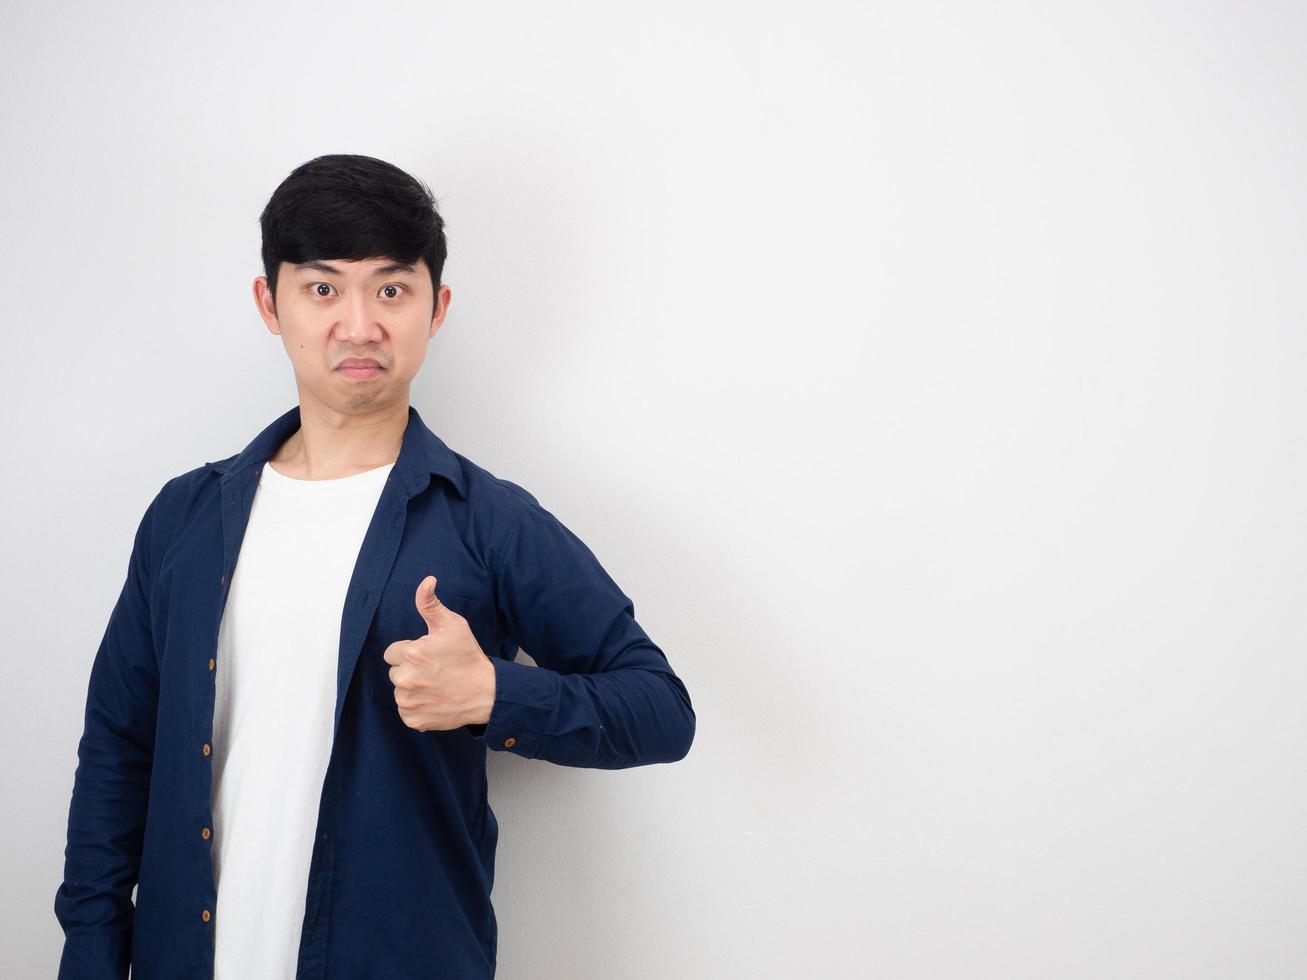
point(349, 206)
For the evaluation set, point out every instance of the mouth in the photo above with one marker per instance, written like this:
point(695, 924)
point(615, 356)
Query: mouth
point(360, 369)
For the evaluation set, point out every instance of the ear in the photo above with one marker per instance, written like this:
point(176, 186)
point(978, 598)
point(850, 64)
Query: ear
point(439, 309)
point(266, 304)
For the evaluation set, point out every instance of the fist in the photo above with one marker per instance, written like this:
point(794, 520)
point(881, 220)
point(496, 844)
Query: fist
point(442, 680)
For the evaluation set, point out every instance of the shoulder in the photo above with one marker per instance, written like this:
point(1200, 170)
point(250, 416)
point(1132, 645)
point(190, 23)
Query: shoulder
point(184, 488)
point(521, 529)
point(512, 517)
point(495, 495)
point(180, 497)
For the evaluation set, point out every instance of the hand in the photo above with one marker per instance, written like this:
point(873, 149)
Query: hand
point(442, 680)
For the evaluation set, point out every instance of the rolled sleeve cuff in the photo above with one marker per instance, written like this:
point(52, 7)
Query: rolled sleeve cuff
point(526, 699)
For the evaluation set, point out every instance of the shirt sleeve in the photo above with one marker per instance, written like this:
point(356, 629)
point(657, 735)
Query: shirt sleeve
point(604, 695)
point(106, 818)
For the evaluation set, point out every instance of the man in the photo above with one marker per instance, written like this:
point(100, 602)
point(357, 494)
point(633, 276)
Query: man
point(285, 754)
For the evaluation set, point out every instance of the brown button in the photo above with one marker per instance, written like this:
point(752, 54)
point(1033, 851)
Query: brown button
point(205, 832)
point(207, 750)
point(510, 742)
point(222, 579)
point(205, 915)
point(211, 663)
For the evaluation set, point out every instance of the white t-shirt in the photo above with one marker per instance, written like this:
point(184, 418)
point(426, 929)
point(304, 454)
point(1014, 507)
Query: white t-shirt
point(278, 651)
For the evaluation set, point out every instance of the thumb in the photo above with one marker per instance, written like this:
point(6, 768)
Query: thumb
point(429, 606)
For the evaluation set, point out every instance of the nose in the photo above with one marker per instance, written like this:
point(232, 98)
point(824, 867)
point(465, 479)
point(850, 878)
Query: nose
point(358, 323)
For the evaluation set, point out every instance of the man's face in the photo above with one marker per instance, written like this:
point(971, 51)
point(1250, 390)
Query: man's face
point(335, 313)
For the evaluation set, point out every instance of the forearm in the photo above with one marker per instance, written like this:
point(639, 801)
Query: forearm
point(604, 695)
point(633, 716)
point(106, 827)
point(111, 787)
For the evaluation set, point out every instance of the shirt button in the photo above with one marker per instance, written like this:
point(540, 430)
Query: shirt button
point(206, 749)
point(211, 663)
point(205, 915)
point(510, 742)
point(222, 579)
point(205, 833)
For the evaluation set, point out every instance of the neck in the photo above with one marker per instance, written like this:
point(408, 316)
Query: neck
point(329, 445)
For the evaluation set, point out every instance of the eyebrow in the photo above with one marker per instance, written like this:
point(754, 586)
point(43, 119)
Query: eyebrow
point(381, 270)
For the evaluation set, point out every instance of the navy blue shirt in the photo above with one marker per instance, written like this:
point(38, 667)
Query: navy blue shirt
point(403, 858)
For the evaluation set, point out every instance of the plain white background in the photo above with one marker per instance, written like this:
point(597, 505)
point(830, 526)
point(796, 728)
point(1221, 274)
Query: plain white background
point(930, 375)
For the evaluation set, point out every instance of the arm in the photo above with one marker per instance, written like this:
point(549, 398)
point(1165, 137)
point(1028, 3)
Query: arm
point(604, 695)
point(106, 819)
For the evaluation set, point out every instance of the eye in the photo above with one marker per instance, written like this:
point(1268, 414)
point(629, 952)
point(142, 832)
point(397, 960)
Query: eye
point(391, 285)
point(317, 288)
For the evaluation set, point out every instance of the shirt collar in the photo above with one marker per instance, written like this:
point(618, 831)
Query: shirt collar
point(422, 453)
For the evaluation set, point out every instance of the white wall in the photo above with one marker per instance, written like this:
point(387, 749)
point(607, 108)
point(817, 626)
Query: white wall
point(930, 375)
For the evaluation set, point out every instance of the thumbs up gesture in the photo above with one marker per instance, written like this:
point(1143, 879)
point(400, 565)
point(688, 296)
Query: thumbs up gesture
point(442, 680)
